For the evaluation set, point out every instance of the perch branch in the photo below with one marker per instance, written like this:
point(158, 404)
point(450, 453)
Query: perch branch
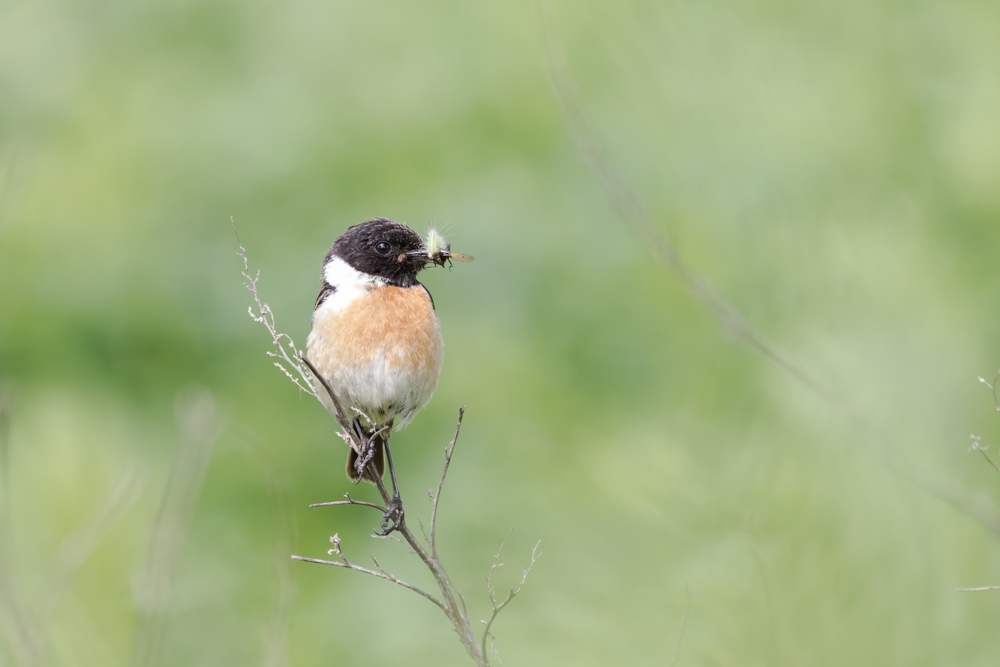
point(380, 573)
point(349, 501)
point(448, 451)
point(451, 601)
point(993, 387)
point(265, 316)
point(633, 213)
point(680, 633)
point(511, 592)
point(982, 449)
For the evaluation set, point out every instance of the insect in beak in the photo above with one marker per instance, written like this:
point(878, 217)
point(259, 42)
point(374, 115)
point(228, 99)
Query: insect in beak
point(438, 251)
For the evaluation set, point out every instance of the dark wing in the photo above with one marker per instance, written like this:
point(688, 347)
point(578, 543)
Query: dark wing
point(325, 291)
point(429, 296)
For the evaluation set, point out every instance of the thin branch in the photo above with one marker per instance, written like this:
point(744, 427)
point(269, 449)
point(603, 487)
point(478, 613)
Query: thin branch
point(448, 451)
point(423, 531)
point(454, 609)
point(637, 219)
point(199, 427)
point(349, 501)
point(975, 446)
point(448, 604)
point(993, 387)
point(979, 588)
point(977, 508)
point(381, 574)
point(265, 316)
point(511, 593)
point(989, 460)
point(22, 637)
point(275, 476)
point(402, 543)
point(85, 538)
point(349, 436)
point(680, 633)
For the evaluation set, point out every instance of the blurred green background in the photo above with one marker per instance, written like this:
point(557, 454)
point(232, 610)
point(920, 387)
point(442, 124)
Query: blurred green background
point(832, 168)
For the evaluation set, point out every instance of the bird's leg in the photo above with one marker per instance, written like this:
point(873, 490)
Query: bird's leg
point(394, 511)
point(367, 450)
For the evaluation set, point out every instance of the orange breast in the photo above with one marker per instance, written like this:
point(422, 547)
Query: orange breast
point(381, 348)
point(397, 322)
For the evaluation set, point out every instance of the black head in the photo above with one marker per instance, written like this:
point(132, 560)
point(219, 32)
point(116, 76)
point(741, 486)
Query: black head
point(383, 248)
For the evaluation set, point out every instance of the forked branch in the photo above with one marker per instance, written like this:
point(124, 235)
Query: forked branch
point(309, 380)
point(287, 352)
point(984, 450)
point(635, 216)
point(380, 573)
point(511, 593)
point(448, 451)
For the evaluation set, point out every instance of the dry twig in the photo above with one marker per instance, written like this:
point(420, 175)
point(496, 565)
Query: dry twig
point(309, 380)
point(993, 388)
point(275, 635)
point(84, 540)
point(680, 633)
point(26, 625)
point(450, 602)
point(19, 633)
point(982, 449)
point(988, 515)
point(511, 593)
point(199, 429)
point(380, 573)
point(448, 451)
point(279, 340)
point(632, 211)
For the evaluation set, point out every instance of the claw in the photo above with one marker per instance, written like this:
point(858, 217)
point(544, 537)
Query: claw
point(367, 450)
point(362, 461)
point(393, 513)
point(394, 509)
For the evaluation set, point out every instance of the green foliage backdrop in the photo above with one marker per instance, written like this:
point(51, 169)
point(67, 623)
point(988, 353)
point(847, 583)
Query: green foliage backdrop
point(832, 168)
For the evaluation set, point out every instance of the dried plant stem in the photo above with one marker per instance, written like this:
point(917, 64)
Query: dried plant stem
point(18, 632)
point(448, 451)
point(349, 501)
point(84, 540)
point(26, 624)
point(511, 593)
point(632, 211)
point(287, 351)
point(199, 429)
point(993, 387)
point(309, 380)
point(680, 633)
point(448, 602)
point(381, 573)
point(274, 474)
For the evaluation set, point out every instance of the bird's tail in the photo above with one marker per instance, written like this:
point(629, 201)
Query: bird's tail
point(378, 459)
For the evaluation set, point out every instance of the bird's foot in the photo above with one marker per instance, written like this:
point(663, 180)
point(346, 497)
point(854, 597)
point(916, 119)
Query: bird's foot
point(364, 458)
point(393, 513)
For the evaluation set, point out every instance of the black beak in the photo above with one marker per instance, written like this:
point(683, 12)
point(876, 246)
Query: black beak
point(418, 257)
point(439, 258)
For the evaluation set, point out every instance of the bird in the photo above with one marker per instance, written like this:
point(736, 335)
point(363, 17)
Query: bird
point(375, 336)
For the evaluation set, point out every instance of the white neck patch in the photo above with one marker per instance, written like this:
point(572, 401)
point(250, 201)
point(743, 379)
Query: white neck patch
point(349, 283)
point(339, 273)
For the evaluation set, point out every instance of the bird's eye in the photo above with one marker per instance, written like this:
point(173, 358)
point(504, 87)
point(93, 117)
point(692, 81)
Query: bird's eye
point(382, 248)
